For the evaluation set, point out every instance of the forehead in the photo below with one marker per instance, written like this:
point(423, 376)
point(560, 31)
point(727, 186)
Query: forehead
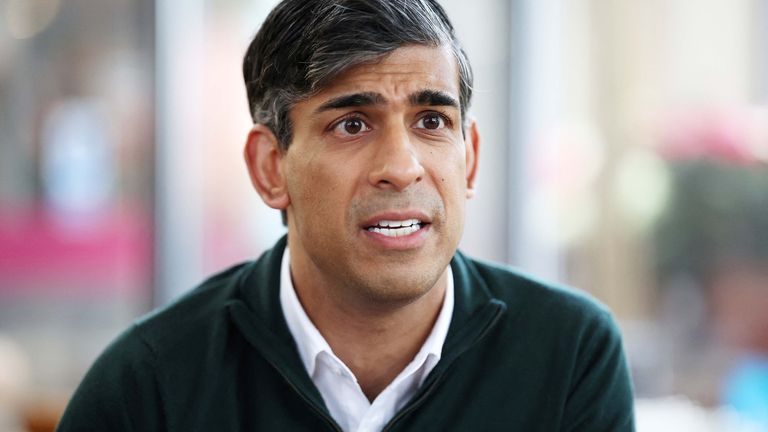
point(399, 74)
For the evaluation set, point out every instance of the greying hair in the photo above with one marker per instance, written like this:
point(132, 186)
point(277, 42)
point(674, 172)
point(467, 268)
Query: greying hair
point(304, 44)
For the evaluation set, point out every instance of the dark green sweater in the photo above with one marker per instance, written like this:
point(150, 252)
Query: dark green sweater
point(520, 356)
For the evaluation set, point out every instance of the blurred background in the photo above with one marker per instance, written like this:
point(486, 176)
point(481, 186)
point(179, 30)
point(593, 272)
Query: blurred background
point(625, 153)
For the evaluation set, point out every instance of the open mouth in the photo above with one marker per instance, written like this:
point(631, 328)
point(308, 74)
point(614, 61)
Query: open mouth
point(396, 228)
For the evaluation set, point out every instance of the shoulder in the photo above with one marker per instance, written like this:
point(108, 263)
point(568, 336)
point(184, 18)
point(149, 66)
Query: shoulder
point(573, 335)
point(194, 319)
point(128, 384)
point(549, 315)
point(523, 292)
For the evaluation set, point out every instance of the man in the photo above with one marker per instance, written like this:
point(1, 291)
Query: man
point(365, 317)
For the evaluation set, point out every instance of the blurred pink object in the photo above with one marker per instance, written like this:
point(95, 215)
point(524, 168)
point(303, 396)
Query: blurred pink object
point(729, 135)
point(109, 252)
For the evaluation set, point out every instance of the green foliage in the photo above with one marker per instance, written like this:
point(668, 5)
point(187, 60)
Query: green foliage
point(718, 212)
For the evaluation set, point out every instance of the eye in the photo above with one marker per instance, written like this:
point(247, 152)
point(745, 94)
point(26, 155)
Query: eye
point(350, 126)
point(431, 121)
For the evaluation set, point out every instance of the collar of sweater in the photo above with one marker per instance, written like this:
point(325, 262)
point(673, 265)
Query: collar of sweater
point(257, 314)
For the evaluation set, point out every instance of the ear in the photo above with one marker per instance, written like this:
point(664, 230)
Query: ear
point(263, 156)
point(472, 146)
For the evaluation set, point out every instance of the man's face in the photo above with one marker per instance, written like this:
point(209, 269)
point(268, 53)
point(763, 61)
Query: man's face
point(377, 176)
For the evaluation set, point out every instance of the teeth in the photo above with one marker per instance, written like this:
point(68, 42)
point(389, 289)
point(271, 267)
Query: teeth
point(396, 224)
point(396, 232)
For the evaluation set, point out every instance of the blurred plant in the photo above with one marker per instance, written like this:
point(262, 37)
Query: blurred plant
point(711, 244)
point(719, 207)
point(718, 213)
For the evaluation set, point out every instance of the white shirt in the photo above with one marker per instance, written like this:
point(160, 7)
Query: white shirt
point(337, 384)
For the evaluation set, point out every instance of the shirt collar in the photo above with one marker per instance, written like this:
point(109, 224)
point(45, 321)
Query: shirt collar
point(310, 342)
point(308, 338)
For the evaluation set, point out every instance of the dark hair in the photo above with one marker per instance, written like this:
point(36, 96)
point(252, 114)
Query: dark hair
point(304, 44)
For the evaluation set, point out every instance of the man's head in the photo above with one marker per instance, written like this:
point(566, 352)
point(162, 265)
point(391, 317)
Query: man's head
point(304, 44)
point(361, 137)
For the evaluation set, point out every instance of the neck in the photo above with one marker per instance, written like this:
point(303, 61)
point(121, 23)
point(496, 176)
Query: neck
point(375, 341)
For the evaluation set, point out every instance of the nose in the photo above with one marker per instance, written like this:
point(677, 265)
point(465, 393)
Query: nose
point(396, 163)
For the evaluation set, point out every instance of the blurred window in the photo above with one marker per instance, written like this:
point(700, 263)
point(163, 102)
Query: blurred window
point(76, 191)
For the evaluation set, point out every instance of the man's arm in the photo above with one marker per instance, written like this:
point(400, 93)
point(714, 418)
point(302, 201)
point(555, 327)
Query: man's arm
point(120, 392)
point(601, 397)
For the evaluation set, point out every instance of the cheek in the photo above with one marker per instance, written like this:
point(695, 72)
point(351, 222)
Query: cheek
point(451, 179)
point(315, 189)
point(455, 192)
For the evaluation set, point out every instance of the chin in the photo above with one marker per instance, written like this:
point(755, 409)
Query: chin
point(399, 289)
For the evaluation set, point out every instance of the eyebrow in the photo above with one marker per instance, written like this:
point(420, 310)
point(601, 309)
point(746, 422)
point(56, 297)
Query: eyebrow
point(421, 98)
point(352, 100)
point(433, 98)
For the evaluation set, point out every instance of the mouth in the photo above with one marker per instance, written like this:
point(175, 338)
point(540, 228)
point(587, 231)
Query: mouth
point(396, 228)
